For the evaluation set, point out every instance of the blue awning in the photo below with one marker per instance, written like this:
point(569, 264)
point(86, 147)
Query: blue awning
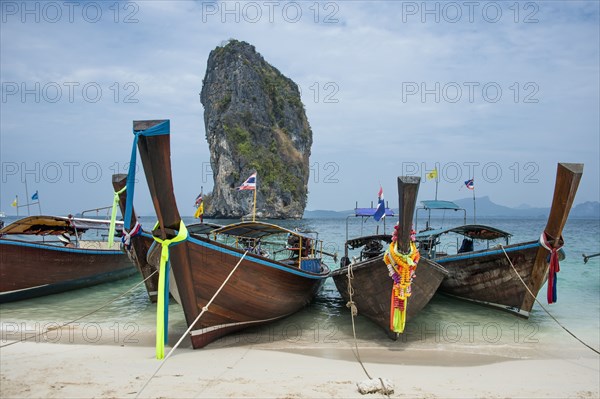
point(371, 212)
point(435, 204)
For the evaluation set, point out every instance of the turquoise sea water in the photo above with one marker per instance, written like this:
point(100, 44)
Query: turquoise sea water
point(444, 323)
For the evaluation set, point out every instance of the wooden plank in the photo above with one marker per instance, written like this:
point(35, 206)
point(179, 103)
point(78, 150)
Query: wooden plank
point(147, 124)
point(408, 189)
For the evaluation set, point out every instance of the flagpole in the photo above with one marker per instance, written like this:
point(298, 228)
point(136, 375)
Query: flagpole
point(254, 208)
point(17, 199)
point(27, 196)
point(474, 210)
point(39, 205)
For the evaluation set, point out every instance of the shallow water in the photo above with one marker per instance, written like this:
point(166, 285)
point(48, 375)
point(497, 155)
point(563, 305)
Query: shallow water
point(444, 324)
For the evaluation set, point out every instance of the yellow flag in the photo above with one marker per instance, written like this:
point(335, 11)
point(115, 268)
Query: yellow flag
point(14, 203)
point(432, 174)
point(199, 211)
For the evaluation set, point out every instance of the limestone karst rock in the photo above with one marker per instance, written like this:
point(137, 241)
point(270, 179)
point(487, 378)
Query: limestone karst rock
point(255, 121)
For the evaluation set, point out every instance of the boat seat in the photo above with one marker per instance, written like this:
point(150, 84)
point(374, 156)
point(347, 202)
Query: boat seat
point(466, 246)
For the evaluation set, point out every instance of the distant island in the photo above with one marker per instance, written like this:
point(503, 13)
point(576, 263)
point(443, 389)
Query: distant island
point(485, 208)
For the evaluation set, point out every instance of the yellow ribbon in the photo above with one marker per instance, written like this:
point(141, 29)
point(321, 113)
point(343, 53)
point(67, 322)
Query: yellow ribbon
point(113, 217)
point(163, 278)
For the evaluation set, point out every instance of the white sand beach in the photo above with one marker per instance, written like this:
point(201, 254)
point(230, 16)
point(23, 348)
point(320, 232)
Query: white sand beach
point(67, 367)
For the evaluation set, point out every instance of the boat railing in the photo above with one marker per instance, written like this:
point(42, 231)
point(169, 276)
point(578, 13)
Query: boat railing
point(97, 210)
point(300, 253)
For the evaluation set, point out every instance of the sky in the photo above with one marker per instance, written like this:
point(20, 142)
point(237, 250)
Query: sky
point(495, 91)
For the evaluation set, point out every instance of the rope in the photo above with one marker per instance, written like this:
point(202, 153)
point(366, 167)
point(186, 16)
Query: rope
point(354, 312)
point(85, 315)
point(204, 309)
point(545, 310)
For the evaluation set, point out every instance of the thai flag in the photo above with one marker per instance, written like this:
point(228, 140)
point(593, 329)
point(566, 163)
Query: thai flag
point(470, 184)
point(249, 184)
point(380, 212)
point(198, 200)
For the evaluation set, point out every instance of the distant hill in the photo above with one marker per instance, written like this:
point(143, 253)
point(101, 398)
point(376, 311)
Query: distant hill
point(485, 208)
point(589, 209)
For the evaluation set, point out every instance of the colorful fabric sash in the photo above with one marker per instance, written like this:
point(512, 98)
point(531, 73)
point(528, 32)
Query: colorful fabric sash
point(113, 218)
point(156, 130)
point(553, 267)
point(401, 268)
point(162, 305)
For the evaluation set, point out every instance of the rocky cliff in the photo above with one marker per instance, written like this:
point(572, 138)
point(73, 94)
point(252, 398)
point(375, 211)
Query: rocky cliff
point(255, 122)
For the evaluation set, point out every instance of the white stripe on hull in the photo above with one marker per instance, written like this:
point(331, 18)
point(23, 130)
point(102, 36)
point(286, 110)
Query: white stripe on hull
point(24, 289)
point(227, 325)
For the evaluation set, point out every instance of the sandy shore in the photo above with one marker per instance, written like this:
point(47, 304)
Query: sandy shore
point(67, 367)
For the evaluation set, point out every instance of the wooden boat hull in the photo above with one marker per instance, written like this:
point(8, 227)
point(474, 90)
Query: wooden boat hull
point(487, 277)
point(29, 270)
point(372, 287)
point(258, 292)
point(140, 244)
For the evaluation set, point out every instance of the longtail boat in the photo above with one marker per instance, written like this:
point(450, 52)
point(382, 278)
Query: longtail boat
point(261, 289)
point(486, 276)
point(138, 241)
point(370, 278)
point(42, 255)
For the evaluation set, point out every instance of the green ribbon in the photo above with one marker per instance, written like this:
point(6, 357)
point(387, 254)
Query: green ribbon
point(163, 281)
point(113, 217)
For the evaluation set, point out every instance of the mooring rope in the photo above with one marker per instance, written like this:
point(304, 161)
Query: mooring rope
point(354, 312)
point(542, 306)
point(204, 309)
point(85, 315)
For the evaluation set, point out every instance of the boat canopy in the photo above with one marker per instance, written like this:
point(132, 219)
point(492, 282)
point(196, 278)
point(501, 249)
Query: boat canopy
point(362, 241)
point(256, 230)
point(371, 211)
point(473, 231)
point(438, 204)
point(202, 228)
point(56, 225)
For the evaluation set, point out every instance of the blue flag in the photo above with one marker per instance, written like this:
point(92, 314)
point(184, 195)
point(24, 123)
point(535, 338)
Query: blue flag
point(380, 212)
point(35, 196)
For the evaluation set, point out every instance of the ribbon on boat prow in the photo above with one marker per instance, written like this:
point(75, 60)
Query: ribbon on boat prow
point(155, 128)
point(401, 268)
point(162, 303)
point(553, 265)
point(113, 217)
point(125, 235)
